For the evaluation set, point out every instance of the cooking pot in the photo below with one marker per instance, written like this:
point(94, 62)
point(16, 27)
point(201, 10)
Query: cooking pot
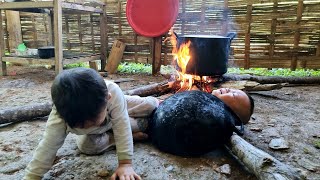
point(209, 53)
point(46, 52)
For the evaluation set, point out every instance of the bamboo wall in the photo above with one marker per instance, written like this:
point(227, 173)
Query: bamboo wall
point(270, 33)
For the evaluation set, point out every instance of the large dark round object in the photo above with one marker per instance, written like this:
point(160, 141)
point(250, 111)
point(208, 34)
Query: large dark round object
point(209, 54)
point(192, 123)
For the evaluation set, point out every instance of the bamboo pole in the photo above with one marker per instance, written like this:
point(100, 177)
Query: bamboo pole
point(80, 32)
point(297, 37)
point(47, 26)
point(135, 50)
point(247, 37)
point(103, 37)
point(92, 34)
point(225, 24)
point(34, 30)
point(203, 15)
point(3, 65)
point(119, 18)
point(183, 22)
point(67, 31)
point(273, 31)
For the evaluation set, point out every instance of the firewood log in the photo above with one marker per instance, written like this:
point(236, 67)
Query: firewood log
point(23, 113)
point(260, 163)
point(153, 89)
point(272, 79)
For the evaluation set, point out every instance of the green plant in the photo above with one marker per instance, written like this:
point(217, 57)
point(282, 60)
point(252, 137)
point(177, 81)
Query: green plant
point(134, 68)
point(81, 64)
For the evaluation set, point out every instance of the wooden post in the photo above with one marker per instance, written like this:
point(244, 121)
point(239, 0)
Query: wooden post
point(14, 29)
point(183, 21)
point(203, 15)
point(48, 29)
point(273, 31)
point(247, 37)
point(297, 36)
point(119, 17)
point(92, 35)
point(318, 49)
point(135, 49)
point(58, 51)
point(80, 32)
point(165, 58)
point(225, 20)
point(3, 65)
point(103, 37)
point(67, 31)
point(34, 30)
point(156, 55)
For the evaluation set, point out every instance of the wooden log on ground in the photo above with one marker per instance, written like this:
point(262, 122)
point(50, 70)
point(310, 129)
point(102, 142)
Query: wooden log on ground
point(272, 79)
point(260, 163)
point(152, 89)
point(250, 85)
point(23, 113)
point(28, 112)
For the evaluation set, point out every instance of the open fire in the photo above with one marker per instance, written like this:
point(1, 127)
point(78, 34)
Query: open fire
point(181, 58)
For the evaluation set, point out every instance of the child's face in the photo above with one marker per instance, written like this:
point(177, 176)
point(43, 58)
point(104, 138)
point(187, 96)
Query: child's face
point(99, 119)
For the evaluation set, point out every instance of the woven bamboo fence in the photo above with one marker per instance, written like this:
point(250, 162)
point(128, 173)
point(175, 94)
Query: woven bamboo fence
point(270, 33)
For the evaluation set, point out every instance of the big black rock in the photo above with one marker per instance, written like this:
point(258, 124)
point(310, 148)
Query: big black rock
point(191, 123)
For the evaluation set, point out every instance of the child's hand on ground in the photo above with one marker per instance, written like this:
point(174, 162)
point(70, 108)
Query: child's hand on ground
point(125, 172)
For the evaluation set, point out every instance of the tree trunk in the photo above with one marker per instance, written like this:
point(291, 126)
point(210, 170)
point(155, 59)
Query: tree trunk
point(273, 79)
point(260, 163)
point(23, 113)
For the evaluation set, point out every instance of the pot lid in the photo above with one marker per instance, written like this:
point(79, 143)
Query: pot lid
point(152, 18)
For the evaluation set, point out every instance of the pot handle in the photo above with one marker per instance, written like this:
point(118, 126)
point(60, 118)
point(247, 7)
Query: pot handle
point(231, 35)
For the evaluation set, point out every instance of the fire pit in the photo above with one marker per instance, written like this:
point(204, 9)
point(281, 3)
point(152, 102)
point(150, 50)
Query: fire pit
point(200, 60)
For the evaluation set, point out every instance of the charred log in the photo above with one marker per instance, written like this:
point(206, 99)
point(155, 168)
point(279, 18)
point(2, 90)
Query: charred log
point(260, 163)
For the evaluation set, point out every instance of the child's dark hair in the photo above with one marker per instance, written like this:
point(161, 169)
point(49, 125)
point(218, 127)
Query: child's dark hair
point(79, 95)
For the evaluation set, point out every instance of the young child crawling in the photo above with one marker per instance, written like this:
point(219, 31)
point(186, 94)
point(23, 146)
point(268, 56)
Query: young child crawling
point(96, 110)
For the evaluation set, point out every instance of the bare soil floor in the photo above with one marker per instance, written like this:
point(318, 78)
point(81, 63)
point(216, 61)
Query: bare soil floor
point(290, 113)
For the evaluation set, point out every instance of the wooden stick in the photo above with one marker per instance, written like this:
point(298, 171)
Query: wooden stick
point(260, 163)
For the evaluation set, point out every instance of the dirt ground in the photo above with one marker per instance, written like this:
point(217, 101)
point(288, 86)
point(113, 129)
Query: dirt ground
point(290, 113)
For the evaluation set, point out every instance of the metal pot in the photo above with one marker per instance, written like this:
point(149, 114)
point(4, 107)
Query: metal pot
point(209, 54)
point(46, 52)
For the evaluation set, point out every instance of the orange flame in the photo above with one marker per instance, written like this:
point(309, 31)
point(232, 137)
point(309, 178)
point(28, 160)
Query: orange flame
point(182, 57)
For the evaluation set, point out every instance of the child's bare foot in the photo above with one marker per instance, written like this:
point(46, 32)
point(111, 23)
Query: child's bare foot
point(140, 136)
